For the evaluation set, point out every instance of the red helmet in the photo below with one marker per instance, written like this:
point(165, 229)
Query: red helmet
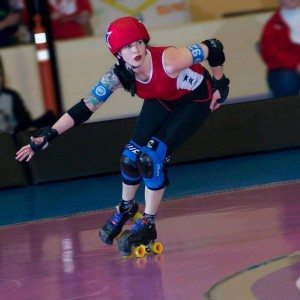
point(124, 31)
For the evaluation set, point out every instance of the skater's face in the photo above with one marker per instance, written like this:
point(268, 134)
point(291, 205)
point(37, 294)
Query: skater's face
point(134, 53)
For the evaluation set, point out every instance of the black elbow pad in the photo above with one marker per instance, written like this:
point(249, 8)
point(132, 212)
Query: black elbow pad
point(79, 112)
point(216, 56)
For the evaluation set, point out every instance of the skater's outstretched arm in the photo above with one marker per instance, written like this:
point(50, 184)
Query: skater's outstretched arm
point(76, 115)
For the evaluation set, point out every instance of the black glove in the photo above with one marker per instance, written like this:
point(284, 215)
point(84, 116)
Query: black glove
point(126, 76)
point(49, 134)
point(216, 56)
point(222, 85)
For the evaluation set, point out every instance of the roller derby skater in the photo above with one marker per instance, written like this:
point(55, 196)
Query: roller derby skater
point(179, 94)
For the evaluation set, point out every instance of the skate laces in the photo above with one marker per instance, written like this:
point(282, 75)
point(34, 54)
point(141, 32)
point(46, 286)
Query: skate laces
point(116, 217)
point(139, 224)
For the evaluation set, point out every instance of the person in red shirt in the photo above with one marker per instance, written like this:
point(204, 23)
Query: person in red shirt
point(179, 94)
point(70, 18)
point(280, 49)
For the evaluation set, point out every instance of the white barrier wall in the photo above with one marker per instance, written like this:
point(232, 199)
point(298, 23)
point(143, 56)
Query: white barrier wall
point(21, 72)
point(82, 61)
point(215, 9)
point(154, 13)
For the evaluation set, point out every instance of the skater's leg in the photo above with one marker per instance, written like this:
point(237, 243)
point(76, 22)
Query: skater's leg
point(153, 200)
point(127, 208)
point(151, 118)
point(129, 191)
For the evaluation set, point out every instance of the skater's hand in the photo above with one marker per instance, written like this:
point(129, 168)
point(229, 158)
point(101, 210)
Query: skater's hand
point(214, 101)
point(26, 152)
point(220, 91)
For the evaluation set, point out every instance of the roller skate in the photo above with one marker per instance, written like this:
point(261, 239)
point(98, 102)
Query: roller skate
point(113, 227)
point(139, 240)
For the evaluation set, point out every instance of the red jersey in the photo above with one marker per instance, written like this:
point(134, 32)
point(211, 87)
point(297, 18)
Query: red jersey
point(277, 49)
point(163, 87)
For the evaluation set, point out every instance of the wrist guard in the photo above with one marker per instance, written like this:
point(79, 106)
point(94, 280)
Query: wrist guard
point(49, 134)
point(222, 85)
point(216, 56)
point(126, 76)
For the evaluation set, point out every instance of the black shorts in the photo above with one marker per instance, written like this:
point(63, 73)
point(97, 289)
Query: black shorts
point(174, 122)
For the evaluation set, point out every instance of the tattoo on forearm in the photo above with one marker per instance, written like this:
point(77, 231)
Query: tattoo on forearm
point(111, 80)
point(92, 102)
point(102, 90)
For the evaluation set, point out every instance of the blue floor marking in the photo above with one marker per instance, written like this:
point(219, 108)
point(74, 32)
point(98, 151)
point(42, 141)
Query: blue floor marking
point(84, 195)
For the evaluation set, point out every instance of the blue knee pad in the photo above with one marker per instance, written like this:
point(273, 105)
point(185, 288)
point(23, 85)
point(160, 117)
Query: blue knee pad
point(151, 164)
point(128, 164)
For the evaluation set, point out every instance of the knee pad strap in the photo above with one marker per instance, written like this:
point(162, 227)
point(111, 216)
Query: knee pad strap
point(128, 164)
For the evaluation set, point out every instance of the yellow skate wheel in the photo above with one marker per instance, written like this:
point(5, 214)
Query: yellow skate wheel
point(137, 216)
point(157, 248)
point(139, 251)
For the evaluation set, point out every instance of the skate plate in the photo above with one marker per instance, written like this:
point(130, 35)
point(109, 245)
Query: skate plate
point(141, 250)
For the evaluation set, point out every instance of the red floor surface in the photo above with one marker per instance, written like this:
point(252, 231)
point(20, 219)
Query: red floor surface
point(207, 239)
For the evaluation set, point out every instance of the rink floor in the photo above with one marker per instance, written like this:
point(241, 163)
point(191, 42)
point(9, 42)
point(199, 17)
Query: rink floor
point(230, 230)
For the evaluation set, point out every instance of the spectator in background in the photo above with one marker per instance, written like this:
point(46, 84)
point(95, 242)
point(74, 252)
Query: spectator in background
point(280, 49)
point(10, 21)
point(70, 18)
point(14, 116)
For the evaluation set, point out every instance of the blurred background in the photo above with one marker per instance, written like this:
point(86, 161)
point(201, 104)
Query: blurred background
point(53, 52)
point(81, 55)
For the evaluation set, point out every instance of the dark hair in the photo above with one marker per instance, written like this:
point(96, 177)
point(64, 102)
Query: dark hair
point(2, 73)
point(126, 76)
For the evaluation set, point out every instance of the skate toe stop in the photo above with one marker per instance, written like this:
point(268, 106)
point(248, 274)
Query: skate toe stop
point(103, 236)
